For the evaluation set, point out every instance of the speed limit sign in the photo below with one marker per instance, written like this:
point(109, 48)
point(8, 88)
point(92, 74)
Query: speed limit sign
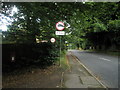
point(60, 26)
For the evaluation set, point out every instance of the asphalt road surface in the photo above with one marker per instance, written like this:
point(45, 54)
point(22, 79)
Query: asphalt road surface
point(105, 67)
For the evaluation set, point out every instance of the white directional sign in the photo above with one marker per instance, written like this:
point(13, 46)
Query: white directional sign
point(52, 40)
point(60, 26)
point(60, 32)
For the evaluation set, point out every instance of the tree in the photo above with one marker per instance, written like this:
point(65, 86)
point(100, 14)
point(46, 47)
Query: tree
point(88, 22)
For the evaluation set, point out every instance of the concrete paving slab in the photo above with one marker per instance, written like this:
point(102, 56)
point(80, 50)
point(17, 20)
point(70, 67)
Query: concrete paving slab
point(89, 80)
point(78, 77)
point(73, 81)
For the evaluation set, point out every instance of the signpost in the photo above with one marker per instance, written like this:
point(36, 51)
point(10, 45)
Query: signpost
point(60, 26)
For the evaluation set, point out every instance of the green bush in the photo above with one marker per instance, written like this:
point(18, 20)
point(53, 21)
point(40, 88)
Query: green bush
point(42, 55)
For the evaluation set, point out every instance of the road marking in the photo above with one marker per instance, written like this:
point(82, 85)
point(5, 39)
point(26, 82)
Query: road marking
point(105, 59)
point(89, 71)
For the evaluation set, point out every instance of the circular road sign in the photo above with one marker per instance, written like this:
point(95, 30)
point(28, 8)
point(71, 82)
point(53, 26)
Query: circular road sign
point(52, 40)
point(60, 26)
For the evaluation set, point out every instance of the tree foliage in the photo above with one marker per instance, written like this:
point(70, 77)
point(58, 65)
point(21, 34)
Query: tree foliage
point(91, 24)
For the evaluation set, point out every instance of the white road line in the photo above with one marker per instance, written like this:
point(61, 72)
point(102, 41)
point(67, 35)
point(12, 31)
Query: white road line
point(105, 59)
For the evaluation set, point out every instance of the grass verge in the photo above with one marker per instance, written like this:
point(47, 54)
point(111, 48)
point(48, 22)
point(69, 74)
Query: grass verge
point(63, 60)
point(113, 53)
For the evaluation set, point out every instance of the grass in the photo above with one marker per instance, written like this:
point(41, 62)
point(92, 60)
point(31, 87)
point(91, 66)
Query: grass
point(63, 61)
point(113, 53)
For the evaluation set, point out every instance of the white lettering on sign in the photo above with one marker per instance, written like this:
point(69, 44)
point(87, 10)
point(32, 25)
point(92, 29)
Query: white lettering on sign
point(60, 32)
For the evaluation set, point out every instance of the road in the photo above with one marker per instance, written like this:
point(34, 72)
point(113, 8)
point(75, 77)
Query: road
point(105, 67)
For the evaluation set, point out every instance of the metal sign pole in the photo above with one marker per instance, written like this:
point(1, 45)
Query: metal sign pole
point(60, 26)
point(60, 52)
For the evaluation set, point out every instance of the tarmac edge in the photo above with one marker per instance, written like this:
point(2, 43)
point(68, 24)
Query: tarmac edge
point(89, 71)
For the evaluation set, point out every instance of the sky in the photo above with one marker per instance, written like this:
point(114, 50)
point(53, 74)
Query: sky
point(5, 21)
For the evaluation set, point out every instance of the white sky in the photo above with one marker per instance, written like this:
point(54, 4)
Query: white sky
point(4, 21)
point(3, 27)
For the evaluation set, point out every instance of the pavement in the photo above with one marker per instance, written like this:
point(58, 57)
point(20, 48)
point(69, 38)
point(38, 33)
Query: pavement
point(103, 66)
point(77, 76)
